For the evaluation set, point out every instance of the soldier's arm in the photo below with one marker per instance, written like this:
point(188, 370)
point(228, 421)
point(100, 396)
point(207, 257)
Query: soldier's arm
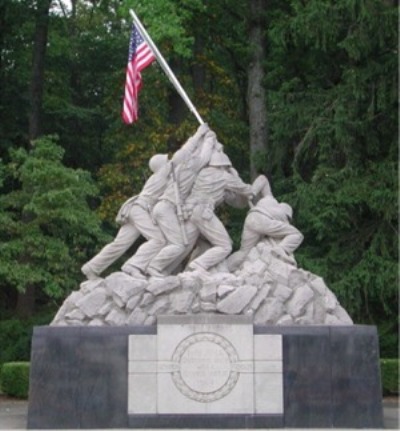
point(235, 184)
point(204, 155)
point(238, 194)
point(190, 145)
point(261, 186)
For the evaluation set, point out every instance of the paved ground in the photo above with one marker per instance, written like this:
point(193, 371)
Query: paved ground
point(13, 414)
point(391, 413)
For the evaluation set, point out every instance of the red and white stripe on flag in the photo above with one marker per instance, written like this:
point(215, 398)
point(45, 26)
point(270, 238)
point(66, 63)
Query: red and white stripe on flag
point(140, 56)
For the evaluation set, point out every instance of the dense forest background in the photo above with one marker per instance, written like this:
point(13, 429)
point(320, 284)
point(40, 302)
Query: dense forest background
point(304, 91)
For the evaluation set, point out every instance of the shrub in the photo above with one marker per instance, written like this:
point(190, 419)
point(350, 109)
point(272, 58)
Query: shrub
point(14, 341)
point(16, 335)
point(388, 337)
point(390, 376)
point(15, 379)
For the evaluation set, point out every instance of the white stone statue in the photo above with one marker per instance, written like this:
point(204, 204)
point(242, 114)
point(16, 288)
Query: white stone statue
point(268, 219)
point(175, 213)
point(136, 219)
point(168, 213)
point(210, 189)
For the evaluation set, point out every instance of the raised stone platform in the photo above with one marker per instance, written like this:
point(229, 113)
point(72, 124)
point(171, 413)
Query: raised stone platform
point(205, 371)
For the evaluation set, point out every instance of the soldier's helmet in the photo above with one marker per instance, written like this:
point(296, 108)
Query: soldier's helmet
point(157, 162)
point(220, 159)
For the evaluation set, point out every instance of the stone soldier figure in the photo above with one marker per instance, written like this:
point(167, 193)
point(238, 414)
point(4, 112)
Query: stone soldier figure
point(208, 191)
point(167, 212)
point(268, 218)
point(135, 216)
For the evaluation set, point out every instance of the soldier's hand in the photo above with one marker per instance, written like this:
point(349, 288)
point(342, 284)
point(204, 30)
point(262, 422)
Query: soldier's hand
point(211, 135)
point(203, 129)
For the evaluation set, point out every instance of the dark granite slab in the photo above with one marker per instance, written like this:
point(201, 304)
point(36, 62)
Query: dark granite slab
point(356, 384)
point(331, 376)
point(78, 377)
point(104, 388)
point(307, 383)
point(54, 377)
point(223, 421)
point(79, 380)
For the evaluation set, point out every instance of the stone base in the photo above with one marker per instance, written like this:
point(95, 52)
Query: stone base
point(206, 371)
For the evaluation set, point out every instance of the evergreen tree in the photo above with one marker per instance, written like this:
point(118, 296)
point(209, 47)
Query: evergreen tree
point(48, 228)
point(334, 81)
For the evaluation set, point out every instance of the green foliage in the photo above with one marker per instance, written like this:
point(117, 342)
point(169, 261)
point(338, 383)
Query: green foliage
point(86, 60)
point(336, 86)
point(390, 376)
point(349, 221)
point(14, 340)
point(341, 105)
point(388, 337)
point(16, 336)
point(168, 21)
point(16, 34)
point(15, 379)
point(48, 227)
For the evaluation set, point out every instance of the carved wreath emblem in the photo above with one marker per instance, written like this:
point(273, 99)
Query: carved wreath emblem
point(205, 371)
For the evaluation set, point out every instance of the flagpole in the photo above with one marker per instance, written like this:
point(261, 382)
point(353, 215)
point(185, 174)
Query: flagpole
point(164, 65)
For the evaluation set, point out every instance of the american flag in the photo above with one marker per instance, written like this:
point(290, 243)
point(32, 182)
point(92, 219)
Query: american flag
point(140, 56)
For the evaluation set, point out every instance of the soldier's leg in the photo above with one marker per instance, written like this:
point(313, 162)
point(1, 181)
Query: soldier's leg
point(165, 214)
point(290, 237)
point(250, 234)
point(126, 236)
point(148, 250)
point(249, 239)
point(221, 245)
point(192, 233)
point(292, 240)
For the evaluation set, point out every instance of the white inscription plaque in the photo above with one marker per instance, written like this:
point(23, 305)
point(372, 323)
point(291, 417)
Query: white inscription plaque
point(204, 365)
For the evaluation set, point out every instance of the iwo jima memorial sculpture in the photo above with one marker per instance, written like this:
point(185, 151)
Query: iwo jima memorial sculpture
point(189, 334)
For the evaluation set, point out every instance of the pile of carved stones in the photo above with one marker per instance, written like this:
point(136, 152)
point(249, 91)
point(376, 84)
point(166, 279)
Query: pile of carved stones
point(265, 285)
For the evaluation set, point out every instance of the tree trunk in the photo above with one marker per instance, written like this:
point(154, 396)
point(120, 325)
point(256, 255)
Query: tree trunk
point(26, 301)
point(256, 97)
point(37, 79)
point(198, 71)
point(177, 108)
point(2, 26)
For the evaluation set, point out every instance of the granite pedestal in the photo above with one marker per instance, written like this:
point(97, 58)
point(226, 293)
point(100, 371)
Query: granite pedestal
point(205, 372)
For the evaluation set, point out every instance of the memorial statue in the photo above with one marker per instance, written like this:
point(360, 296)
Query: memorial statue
point(185, 265)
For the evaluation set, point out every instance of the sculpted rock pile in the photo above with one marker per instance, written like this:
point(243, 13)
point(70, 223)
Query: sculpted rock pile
point(265, 285)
